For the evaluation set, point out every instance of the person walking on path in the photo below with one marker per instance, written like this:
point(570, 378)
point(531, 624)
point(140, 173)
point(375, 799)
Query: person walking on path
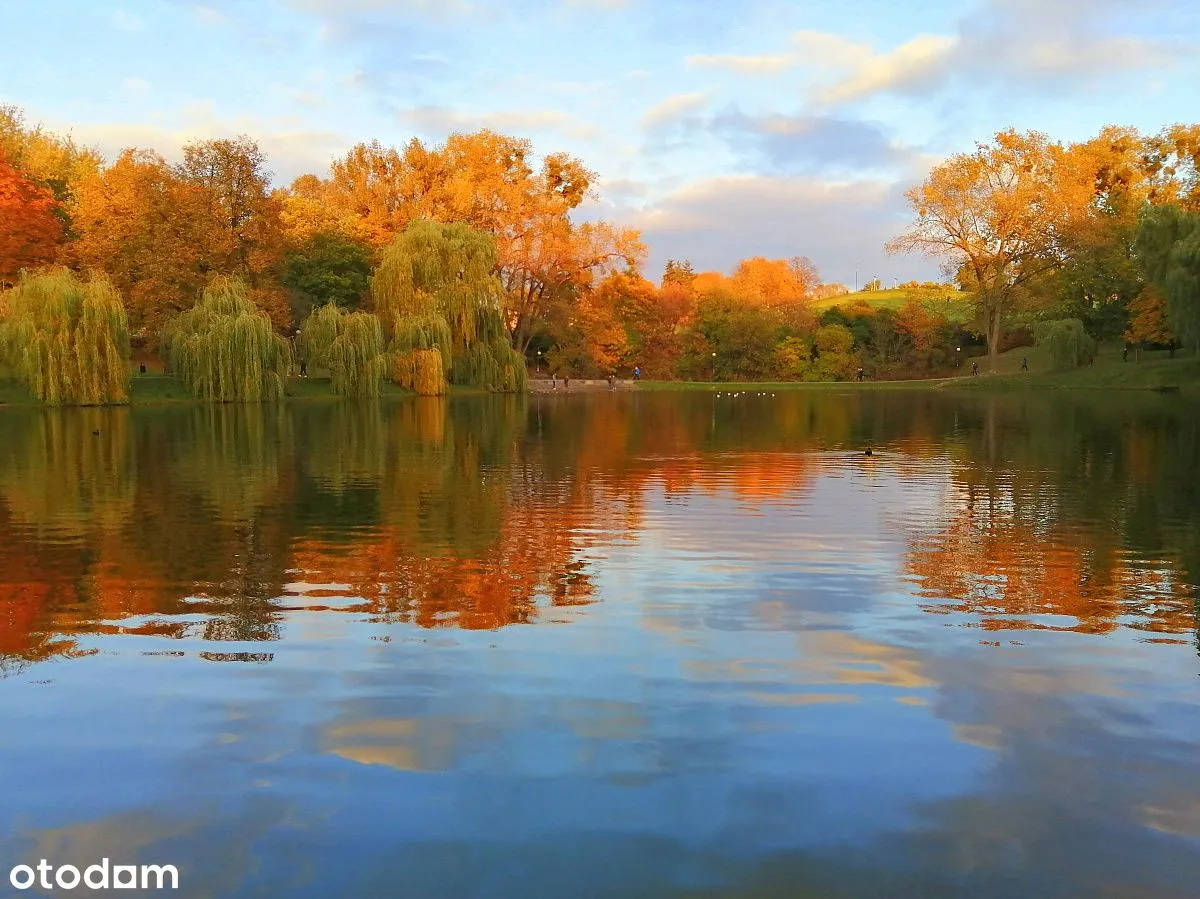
point(860, 373)
point(1024, 365)
point(637, 373)
point(974, 368)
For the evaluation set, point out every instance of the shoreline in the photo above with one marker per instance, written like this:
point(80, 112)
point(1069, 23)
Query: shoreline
point(1176, 377)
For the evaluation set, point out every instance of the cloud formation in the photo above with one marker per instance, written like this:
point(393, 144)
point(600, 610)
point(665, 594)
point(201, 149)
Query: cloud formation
point(808, 143)
point(842, 225)
point(1013, 42)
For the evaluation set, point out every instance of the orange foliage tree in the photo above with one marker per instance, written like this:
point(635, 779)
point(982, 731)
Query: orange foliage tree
point(29, 228)
point(152, 233)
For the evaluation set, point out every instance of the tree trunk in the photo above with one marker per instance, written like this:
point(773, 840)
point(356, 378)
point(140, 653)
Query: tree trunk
point(993, 338)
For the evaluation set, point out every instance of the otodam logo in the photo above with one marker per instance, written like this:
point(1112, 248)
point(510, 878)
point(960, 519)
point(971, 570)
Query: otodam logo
point(100, 876)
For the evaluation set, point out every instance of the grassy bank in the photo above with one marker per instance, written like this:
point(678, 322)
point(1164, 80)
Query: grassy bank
point(1155, 371)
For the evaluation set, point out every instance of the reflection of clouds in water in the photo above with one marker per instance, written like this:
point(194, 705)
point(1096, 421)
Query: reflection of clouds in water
point(413, 744)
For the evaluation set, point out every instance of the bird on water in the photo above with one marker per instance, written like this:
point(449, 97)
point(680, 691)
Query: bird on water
point(868, 452)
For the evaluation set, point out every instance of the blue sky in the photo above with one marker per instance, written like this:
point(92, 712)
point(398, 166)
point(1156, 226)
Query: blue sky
point(721, 129)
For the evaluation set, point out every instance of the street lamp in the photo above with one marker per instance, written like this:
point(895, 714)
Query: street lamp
point(714, 367)
point(539, 360)
point(958, 358)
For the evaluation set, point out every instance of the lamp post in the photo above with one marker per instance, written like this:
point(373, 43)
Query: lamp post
point(539, 361)
point(714, 367)
point(958, 357)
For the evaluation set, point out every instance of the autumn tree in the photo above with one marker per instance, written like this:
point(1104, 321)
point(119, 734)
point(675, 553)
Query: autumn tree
point(1099, 276)
point(493, 184)
point(29, 228)
point(233, 176)
point(310, 206)
point(1148, 320)
point(592, 339)
point(49, 160)
point(152, 232)
point(997, 215)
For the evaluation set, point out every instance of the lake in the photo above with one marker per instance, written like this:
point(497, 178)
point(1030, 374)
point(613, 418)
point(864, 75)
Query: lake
point(615, 645)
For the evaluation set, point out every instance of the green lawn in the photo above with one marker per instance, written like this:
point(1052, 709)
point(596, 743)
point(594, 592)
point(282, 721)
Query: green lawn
point(1155, 371)
point(957, 308)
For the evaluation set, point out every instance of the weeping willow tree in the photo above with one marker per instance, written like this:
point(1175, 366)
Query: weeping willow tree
point(66, 340)
point(438, 295)
point(1069, 343)
point(349, 345)
point(225, 350)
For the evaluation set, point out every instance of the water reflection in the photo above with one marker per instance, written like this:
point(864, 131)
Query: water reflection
point(613, 645)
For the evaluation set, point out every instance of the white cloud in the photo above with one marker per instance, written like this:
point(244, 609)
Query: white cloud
point(1007, 42)
point(872, 73)
point(673, 107)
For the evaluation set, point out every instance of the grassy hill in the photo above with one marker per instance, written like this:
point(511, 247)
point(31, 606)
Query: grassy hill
point(1156, 371)
point(954, 304)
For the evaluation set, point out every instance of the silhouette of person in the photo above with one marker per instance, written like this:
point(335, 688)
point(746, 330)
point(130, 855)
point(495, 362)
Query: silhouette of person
point(974, 368)
point(1024, 365)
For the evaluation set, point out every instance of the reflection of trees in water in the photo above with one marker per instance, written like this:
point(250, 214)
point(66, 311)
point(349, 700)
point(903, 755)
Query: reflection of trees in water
point(1065, 508)
point(459, 542)
point(482, 511)
point(229, 458)
point(342, 445)
point(71, 471)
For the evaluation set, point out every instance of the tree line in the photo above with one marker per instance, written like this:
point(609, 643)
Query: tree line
point(461, 263)
point(1094, 240)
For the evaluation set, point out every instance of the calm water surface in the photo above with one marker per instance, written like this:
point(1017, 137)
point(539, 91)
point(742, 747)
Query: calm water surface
point(642, 645)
